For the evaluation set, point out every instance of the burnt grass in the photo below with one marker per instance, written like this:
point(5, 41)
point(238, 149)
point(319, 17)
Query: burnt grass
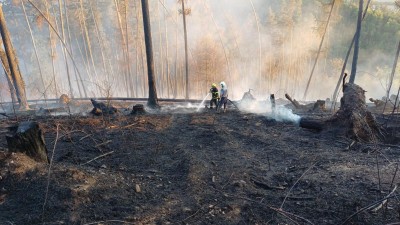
point(196, 168)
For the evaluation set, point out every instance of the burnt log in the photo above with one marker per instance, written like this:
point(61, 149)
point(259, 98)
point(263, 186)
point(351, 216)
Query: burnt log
point(100, 108)
point(138, 109)
point(313, 124)
point(27, 138)
point(293, 101)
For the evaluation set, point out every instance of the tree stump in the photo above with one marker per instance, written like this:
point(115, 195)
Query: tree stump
point(138, 109)
point(102, 109)
point(27, 138)
point(272, 100)
point(357, 122)
point(352, 119)
point(319, 106)
point(64, 99)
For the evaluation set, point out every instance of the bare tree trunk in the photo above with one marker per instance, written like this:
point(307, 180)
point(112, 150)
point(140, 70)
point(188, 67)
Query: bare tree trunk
point(356, 43)
point(167, 54)
point(116, 2)
point(55, 31)
point(7, 71)
point(335, 93)
point(259, 45)
point(319, 50)
point(13, 63)
point(222, 44)
point(186, 50)
point(129, 75)
point(162, 77)
point(396, 58)
point(72, 52)
point(35, 48)
point(89, 45)
point(152, 100)
point(64, 50)
point(52, 54)
point(101, 42)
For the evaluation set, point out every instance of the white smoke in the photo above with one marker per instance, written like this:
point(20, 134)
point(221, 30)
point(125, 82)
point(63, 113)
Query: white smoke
point(280, 113)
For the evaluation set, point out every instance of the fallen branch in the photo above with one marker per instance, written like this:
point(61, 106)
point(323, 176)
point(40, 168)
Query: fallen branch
point(98, 157)
point(379, 206)
point(85, 137)
point(295, 198)
point(49, 172)
point(366, 208)
point(101, 144)
point(295, 184)
point(266, 186)
point(106, 221)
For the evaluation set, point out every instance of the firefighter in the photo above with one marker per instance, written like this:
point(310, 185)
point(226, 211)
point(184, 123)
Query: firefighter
point(214, 96)
point(224, 96)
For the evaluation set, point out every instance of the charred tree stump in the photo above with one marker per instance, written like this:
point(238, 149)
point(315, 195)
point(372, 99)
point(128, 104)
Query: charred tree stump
point(352, 119)
point(319, 106)
point(99, 108)
point(272, 99)
point(293, 101)
point(138, 109)
point(27, 138)
point(64, 100)
point(358, 123)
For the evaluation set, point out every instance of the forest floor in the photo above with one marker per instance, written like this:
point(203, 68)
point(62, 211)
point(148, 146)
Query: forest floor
point(187, 167)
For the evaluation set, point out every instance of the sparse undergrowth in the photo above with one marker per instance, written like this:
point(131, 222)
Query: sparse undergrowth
point(196, 168)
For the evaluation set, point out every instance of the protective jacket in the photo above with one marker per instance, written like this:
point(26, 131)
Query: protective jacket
point(214, 93)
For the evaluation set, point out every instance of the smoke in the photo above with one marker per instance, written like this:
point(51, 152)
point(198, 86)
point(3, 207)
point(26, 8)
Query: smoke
point(280, 113)
point(223, 46)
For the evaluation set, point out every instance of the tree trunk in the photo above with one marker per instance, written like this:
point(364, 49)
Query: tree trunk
point(319, 50)
point(52, 54)
point(89, 46)
point(102, 47)
point(72, 52)
point(36, 53)
point(13, 63)
point(128, 61)
point(259, 46)
point(152, 100)
point(356, 44)
point(335, 93)
point(396, 58)
point(125, 71)
point(10, 82)
point(64, 49)
point(186, 50)
point(167, 54)
point(28, 138)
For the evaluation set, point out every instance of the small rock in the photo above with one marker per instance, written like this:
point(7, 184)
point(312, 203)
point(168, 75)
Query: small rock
point(138, 189)
point(187, 209)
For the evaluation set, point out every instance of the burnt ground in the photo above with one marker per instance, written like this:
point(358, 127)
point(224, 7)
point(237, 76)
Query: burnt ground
point(196, 168)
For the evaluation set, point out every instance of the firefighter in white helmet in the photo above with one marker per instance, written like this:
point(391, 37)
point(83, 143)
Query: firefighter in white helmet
point(224, 96)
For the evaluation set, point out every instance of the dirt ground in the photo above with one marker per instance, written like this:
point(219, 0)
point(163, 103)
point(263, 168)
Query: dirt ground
point(179, 167)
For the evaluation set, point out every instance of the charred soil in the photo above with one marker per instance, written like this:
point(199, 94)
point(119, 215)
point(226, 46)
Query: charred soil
point(196, 168)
